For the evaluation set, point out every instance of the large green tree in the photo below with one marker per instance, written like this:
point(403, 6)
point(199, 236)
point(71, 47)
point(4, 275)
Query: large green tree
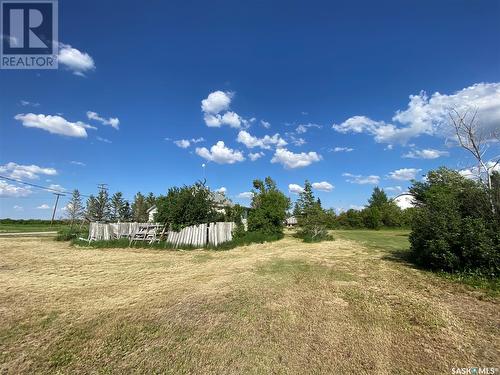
point(139, 208)
point(185, 206)
point(269, 208)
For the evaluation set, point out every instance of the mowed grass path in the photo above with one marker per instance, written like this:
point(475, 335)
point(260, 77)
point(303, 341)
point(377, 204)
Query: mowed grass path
point(341, 306)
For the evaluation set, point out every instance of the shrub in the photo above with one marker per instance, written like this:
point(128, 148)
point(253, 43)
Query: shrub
point(453, 228)
point(68, 234)
point(269, 208)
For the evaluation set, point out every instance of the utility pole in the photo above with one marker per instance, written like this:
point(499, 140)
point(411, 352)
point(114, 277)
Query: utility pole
point(102, 186)
point(55, 206)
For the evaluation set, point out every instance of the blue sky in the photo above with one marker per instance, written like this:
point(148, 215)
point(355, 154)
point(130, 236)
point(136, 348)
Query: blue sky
point(332, 79)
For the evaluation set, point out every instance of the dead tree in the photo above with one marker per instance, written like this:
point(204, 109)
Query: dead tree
point(472, 138)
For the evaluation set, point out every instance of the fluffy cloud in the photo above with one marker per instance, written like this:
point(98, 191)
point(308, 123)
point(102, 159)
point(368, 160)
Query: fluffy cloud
point(182, 143)
point(13, 191)
point(76, 61)
point(245, 195)
point(216, 102)
point(404, 174)
point(31, 172)
point(44, 206)
point(265, 124)
point(322, 186)
point(361, 180)
point(57, 187)
point(220, 154)
point(302, 128)
point(342, 149)
point(255, 155)
point(295, 189)
point(213, 106)
point(221, 190)
point(473, 172)
point(18, 208)
point(429, 115)
point(266, 142)
point(297, 141)
point(54, 124)
point(112, 121)
point(291, 160)
point(425, 154)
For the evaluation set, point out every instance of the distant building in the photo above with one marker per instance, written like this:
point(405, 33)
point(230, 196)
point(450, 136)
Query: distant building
point(291, 221)
point(404, 201)
point(152, 211)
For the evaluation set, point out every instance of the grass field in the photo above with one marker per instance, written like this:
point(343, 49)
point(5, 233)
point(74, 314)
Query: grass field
point(29, 227)
point(351, 305)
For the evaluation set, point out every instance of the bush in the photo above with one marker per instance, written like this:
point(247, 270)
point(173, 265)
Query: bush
point(68, 234)
point(453, 228)
point(269, 208)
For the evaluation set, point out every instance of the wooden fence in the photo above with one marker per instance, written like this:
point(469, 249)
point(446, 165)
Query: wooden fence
point(196, 235)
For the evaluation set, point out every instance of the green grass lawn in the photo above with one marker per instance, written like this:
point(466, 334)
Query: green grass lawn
point(388, 239)
point(30, 227)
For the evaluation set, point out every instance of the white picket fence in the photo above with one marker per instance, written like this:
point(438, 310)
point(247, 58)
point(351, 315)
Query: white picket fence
point(196, 235)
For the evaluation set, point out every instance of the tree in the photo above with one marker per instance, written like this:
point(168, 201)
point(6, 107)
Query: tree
point(150, 201)
point(311, 216)
point(378, 199)
point(269, 208)
point(453, 228)
point(139, 208)
point(185, 206)
point(75, 209)
point(473, 138)
point(117, 206)
point(98, 207)
point(125, 212)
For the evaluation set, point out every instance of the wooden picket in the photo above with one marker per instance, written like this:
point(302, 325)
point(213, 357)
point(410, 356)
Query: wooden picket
point(195, 235)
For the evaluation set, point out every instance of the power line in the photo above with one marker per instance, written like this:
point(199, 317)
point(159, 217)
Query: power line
point(38, 186)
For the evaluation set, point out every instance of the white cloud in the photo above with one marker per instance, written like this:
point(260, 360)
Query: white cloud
point(425, 154)
point(216, 102)
point(18, 208)
point(396, 189)
point(404, 174)
point(57, 187)
point(101, 139)
point(13, 191)
point(342, 149)
point(266, 142)
point(255, 155)
point(26, 103)
point(297, 141)
point(265, 124)
point(356, 207)
point(76, 61)
point(182, 143)
point(112, 121)
point(322, 186)
point(361, 180)
point(32, 172)
point(472, 173)
point(54, 124)
point(44, 206)
point(302, 128)
point(429, 115)
point(295, 189)
point(245, 195)
point(81, 164)
point(197, 140)
point(220, 154)
point(221, 190)
point(291, 160)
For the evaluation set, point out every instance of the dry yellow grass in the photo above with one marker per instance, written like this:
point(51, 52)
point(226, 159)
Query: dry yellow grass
point(283, 307)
